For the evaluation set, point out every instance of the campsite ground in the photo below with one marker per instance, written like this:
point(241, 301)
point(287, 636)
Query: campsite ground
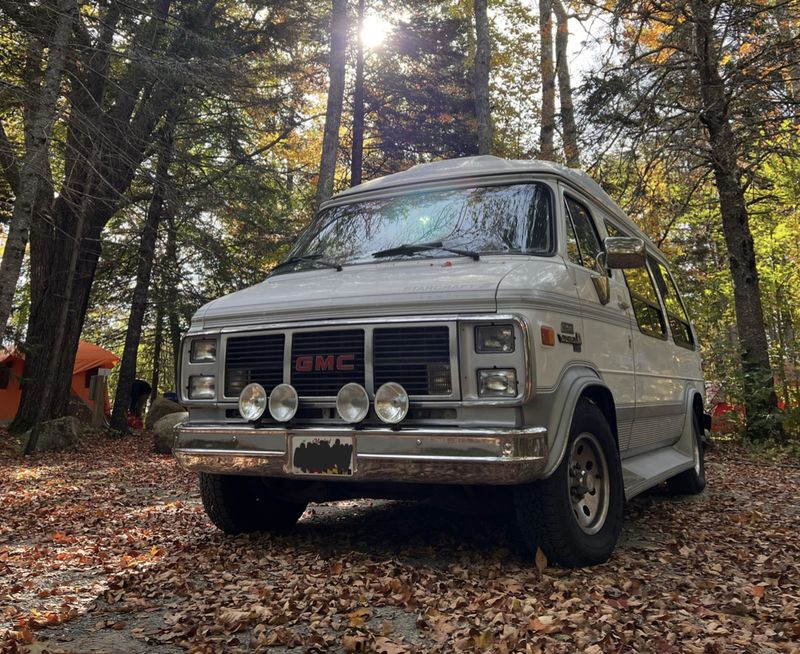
point(108, 549)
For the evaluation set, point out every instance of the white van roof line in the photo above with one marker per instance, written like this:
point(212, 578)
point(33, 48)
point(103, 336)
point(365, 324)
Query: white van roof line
point(484, 166)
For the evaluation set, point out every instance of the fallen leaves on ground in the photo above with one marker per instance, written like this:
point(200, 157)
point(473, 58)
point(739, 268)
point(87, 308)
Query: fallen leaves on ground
point(111, 542)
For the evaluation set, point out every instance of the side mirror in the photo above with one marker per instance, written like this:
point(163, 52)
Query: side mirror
point(623, 252)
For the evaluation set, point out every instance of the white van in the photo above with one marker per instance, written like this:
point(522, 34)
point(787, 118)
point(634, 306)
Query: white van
point(473, 322)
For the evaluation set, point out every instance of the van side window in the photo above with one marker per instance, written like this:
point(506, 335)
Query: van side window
point(676, 311)
point(588, 240)
point(573, 251)
point(644, 298)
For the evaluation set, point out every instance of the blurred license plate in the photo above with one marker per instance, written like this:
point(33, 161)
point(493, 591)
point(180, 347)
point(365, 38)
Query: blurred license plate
point(327, 455)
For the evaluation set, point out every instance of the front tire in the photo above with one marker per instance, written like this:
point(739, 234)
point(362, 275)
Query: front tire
point(240, 505)
point(693, 480)
point(575, 515)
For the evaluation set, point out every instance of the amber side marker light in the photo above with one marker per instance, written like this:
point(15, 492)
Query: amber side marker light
point(548, 336)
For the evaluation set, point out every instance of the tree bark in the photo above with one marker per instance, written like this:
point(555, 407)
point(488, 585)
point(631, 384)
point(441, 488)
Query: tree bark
point(171, 279)
point(569, 128)
point(333, 114)
point(548, 123)
point(483, 57)
point(357, 151)
point(147, 249)
point(158, 341)
point(35, 167)
point(762, 418)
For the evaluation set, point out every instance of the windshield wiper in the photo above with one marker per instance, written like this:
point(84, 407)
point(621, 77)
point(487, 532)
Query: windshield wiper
point(413, 248)
point(309, 258)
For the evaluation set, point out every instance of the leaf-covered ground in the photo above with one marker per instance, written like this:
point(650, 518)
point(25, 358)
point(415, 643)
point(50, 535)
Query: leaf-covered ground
point(108, 549)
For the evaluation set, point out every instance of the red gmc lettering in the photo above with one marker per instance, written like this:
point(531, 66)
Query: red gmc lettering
point(323, 362)
point(345, 362)
point(304, 363)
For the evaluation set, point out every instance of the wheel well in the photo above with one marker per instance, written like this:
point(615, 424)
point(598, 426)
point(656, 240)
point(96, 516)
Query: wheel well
point(602, 398)
point(697, 407)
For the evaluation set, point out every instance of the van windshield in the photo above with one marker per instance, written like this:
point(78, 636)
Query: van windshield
point(489, 219)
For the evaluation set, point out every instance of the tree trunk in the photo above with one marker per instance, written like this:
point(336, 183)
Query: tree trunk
point(357, 152)
point(548, 124)
point(171, 279)
point(570, 129)
point(147, 249)
point(482, 63)
point(333, 114)
point(35, 167)
point(762, 419)
point(157, 345)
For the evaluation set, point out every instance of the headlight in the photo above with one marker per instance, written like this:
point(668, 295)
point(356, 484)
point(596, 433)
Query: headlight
point(203, 351)
point(352, 403)
point(497, 382)
point(252, 402)
point(283, 402)
point(202, 387)
point(494, 338)
point(391, 402)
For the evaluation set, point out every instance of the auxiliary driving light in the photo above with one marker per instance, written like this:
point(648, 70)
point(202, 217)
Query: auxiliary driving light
point(252, 401)
point(391, 402)
point(283, 402)
point(352, 403)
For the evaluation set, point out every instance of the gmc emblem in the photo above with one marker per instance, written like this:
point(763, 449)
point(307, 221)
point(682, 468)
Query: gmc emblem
point(324, 362)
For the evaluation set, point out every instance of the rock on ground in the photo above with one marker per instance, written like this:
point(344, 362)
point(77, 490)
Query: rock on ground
point(56, 435)
point(159, 408)
point(164, 431)
point(80, 410)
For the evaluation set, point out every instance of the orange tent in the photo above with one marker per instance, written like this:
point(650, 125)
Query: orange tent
point(87, 361)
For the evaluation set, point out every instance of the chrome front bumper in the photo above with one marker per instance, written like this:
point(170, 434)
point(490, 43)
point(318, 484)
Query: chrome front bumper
point(413, 455)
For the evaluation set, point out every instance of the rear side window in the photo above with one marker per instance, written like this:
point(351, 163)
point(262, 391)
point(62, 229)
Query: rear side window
point(584, 232)
point(676, 312)
point(644, 298)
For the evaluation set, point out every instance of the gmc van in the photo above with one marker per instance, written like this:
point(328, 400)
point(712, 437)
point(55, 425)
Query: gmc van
point(468, 323)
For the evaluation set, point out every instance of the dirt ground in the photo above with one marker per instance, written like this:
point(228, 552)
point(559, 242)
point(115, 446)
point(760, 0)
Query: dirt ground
point(107, 549)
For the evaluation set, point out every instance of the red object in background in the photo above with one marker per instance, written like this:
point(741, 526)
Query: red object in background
point(134, 422)
point(726, 418)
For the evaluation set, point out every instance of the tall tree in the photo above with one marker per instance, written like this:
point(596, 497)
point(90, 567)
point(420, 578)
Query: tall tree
point(147, 249)
point(699, 83)
point(357, 152)
point(547, 127)
point(482, 63)
point(714, 113)
point(333, 113)
point(569, 130)
point(33, 182)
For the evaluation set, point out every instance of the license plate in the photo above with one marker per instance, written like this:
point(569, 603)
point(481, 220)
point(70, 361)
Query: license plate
point(323, 455)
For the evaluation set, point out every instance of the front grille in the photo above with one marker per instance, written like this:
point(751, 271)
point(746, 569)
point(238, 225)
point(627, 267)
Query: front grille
point(418, 358)
point(323, 362)
point(253, 359)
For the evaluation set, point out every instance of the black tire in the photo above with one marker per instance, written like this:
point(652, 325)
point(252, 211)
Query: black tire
point(240, 505)
point(547, 511)
point(693, 480)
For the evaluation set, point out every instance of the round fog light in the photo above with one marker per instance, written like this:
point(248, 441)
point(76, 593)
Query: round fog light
point(391, 402)
point(283, 402)
point(352, 403)
point(252, 401)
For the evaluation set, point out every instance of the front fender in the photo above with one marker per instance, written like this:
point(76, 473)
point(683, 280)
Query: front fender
point(557, 408)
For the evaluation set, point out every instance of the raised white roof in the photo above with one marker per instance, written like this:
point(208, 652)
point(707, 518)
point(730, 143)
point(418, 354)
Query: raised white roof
point(471, 167)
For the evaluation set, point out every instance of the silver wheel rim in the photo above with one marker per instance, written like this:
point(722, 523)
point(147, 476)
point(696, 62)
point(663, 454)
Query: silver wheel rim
point(589, 486)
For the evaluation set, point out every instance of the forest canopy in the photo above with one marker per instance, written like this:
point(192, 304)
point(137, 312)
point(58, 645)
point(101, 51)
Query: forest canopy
point(155, 155)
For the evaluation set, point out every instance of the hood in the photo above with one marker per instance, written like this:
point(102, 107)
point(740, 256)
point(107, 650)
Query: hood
point(429, 286)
